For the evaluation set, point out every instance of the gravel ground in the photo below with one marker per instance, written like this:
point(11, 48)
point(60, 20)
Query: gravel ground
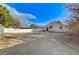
point(44, 44)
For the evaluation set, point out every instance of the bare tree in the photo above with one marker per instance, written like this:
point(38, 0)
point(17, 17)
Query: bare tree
point(73, 23)
point(16, 24)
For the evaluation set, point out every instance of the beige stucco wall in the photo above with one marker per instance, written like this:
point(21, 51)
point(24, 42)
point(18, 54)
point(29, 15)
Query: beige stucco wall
point(56, 27)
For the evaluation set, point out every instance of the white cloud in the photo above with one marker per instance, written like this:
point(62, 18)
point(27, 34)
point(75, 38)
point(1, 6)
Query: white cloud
point(18, 15)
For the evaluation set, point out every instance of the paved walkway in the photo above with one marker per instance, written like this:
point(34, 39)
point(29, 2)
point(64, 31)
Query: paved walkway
point(46, 44)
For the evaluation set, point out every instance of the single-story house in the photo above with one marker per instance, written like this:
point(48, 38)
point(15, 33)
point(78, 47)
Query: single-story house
point(56, 26)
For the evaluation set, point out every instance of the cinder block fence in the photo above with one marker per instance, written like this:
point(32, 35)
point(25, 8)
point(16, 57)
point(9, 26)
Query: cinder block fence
point(12, 30)
point(1, 31)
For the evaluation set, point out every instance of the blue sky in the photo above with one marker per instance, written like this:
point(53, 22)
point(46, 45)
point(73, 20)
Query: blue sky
point(45, 12)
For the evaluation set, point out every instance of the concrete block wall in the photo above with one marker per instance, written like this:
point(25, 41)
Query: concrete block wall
point(12, 30)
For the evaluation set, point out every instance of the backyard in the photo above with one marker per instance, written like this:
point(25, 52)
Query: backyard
point(42, 43)
point(40, 29)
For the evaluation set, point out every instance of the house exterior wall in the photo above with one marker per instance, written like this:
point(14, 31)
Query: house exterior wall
point(59, 28)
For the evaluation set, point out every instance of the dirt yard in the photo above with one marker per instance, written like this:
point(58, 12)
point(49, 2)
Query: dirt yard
point(41, 44)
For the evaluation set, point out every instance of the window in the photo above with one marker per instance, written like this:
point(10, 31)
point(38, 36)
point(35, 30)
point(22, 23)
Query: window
point(60, 27)
point(50, 26)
